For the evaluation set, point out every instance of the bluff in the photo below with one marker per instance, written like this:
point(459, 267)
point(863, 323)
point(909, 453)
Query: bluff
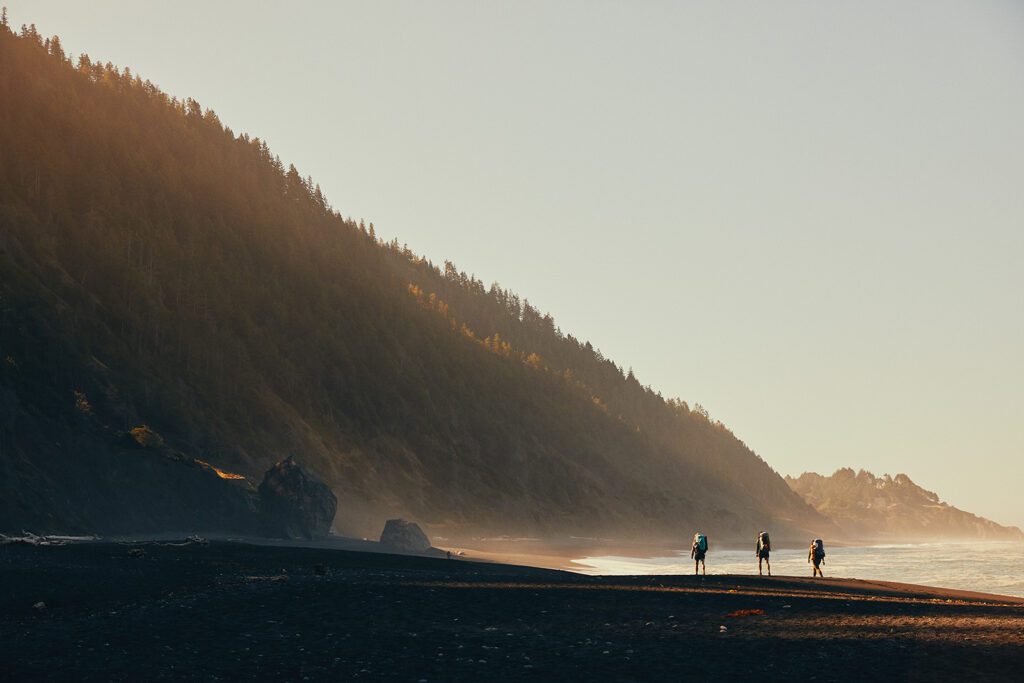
point(868, 507)
point(158, 270)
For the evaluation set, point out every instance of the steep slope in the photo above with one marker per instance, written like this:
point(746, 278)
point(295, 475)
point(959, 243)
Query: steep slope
point(159, 270)
point(865, 506)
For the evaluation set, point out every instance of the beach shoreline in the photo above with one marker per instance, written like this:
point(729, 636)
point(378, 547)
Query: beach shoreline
point(229, 610)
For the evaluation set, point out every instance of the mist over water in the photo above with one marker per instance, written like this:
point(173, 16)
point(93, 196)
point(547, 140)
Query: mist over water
point(985, 566)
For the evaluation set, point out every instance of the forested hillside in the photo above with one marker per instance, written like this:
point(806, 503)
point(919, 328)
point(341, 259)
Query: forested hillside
point(170, 292)
point(867, 507)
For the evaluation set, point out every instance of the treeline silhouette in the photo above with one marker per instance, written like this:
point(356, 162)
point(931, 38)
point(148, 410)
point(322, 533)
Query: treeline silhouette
point(166, 272)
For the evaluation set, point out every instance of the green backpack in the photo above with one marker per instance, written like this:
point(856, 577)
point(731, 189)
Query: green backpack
point(702, 543)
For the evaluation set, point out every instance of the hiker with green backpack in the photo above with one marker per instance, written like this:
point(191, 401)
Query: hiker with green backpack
point(763, 549)
point(697, 552)
point(816, 555)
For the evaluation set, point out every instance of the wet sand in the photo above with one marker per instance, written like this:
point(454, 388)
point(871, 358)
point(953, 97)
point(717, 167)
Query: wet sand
point(224, 610)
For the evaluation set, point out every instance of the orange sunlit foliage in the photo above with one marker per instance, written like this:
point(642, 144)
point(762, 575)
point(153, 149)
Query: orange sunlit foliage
point(82, 403)
point(431, 303)
point(146, 437)
point(495, 344)
point(220, 473)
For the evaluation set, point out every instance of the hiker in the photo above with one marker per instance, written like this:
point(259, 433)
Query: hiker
point(816, 555)
point(697, 551)
point(763, 549)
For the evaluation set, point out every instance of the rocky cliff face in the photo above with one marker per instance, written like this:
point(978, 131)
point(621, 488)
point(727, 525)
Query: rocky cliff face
point(866, 506)
point(97, 484)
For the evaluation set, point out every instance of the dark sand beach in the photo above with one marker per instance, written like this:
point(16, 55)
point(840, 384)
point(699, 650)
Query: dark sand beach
point(227, 610)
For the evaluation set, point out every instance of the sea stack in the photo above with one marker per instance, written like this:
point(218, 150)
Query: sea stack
point(294, 503)
point(406, 537)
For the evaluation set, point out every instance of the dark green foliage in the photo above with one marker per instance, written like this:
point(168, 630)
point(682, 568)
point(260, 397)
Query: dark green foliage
point(175, 275)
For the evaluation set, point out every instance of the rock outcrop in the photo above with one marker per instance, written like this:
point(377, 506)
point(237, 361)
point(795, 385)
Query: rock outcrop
point(866, 506)
point(406, 537)
point(294, 503)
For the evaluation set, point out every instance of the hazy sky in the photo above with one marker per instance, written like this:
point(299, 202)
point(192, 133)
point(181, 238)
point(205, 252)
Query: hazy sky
point(806, 216)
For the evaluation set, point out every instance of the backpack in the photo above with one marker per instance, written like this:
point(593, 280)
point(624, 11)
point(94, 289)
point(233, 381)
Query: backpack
point(702, 543)
point(819, 549)
point(764, 541)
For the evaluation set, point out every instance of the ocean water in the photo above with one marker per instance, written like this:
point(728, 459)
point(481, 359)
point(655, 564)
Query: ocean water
point(985, 566)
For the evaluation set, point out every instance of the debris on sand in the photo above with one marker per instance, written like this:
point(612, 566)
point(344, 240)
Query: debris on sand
point(28, 538)
point(189, 540)
point(745, 613)
point(256, 579)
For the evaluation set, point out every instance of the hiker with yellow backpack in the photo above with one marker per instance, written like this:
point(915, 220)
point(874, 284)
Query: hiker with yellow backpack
point(816, 555)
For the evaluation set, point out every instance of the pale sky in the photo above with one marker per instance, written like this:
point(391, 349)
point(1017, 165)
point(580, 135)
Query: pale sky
point(806, 216)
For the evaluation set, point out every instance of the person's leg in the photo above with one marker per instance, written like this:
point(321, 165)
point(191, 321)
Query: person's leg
point(703, 568)
point(769, 565)
point(696, 563)
point(760, 572)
